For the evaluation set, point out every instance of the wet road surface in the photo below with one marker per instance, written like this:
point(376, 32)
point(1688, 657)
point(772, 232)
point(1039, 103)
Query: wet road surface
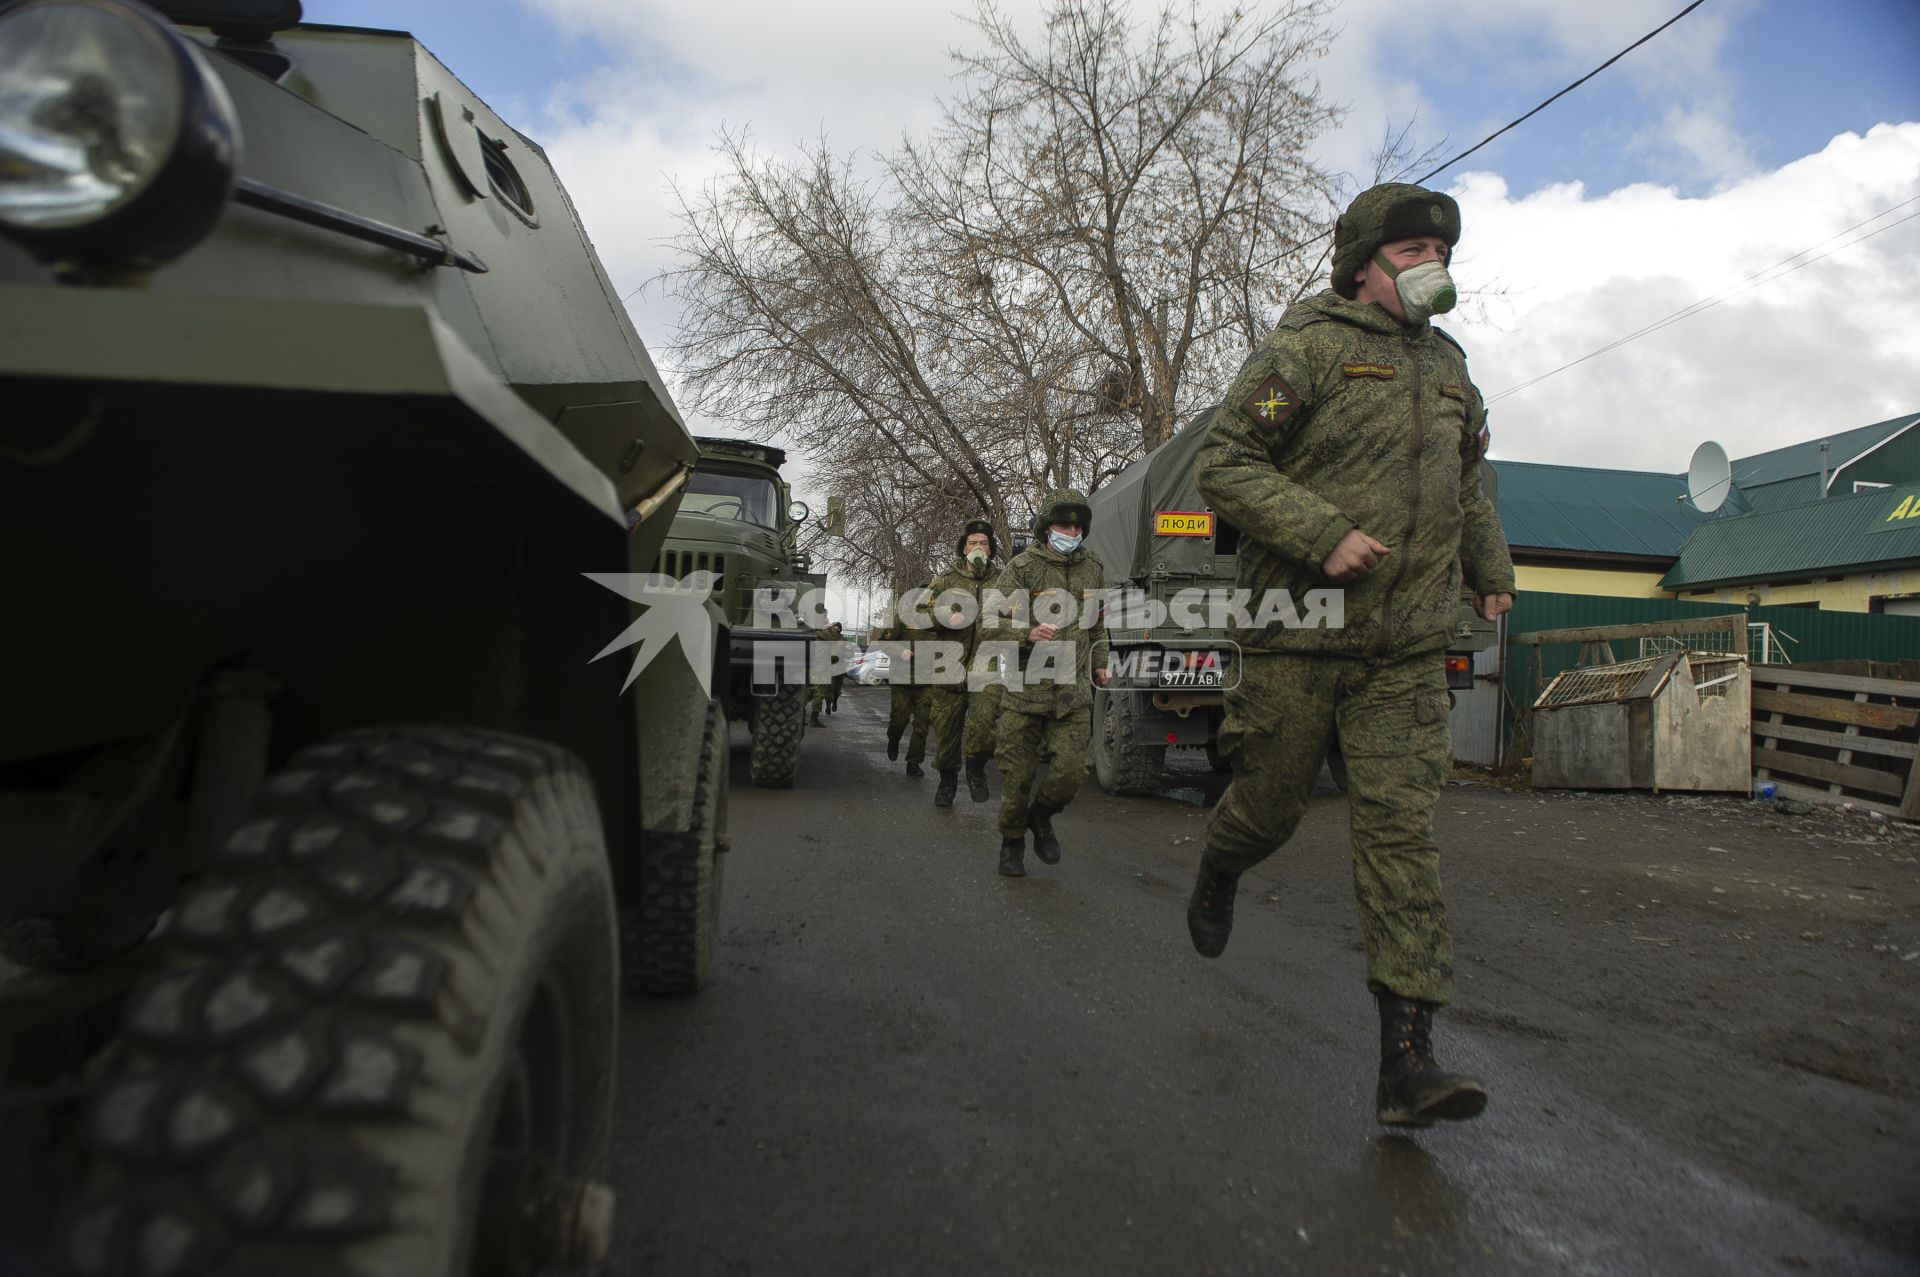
point(908, 1063)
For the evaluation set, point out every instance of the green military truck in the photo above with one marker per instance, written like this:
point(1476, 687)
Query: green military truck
point(739, 523)
point(324, 840)
point(1157, 538)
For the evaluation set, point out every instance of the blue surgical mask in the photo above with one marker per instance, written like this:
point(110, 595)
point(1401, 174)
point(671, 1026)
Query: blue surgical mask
point(1063, 543)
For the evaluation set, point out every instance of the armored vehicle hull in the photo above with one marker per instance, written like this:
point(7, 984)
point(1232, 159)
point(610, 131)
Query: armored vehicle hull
point(316, 413)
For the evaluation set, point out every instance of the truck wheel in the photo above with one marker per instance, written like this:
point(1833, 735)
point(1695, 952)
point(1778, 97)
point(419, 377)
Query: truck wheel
point(378, 1035)
point(1122, 762)
point(667, 938)
point(778, 722)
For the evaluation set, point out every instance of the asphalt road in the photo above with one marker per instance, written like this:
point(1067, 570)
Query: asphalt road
point(1700, 1048)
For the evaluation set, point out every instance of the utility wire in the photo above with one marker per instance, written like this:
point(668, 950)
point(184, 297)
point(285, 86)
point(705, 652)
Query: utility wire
point(1505, 127)
point(1728, 293)
point(1570, 88)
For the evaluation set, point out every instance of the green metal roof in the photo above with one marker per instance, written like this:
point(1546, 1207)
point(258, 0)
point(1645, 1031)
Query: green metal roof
point(1803, 459)
point(1816, 538)
point(1600, 511)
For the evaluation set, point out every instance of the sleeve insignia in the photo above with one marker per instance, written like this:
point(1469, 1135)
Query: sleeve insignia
point(1383, 371)
point(1271, 403)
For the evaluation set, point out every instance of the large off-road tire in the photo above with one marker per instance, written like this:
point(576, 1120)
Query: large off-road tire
point(779, 721)
point(667, 936)
point(1123, 762)
point(374, 1029)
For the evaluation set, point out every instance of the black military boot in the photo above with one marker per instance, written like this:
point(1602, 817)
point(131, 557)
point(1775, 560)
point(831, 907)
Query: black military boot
point(913, 768)
point(817, 721)
point(893, 745)
point(1210, 911)
point(1414, 1090)
point(1045, 845)
point(1013, 855)
point(977, 778)
point(949, 785)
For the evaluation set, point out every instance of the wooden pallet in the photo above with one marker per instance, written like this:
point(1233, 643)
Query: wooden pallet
point(1838, 738)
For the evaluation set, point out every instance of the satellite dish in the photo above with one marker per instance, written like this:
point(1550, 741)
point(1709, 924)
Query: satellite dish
point(1709, 477)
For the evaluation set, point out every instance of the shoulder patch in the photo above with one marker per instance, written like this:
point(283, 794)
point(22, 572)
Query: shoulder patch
point(1271, 403)
point(1385, 372)
point(1457, 392)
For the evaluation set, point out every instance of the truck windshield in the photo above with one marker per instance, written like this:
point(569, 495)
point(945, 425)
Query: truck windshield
point(729, 496)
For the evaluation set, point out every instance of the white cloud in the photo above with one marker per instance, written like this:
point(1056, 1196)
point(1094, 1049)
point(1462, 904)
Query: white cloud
point(1824, 348)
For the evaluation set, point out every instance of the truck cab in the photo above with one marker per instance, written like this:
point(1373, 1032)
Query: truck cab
point(738, 521)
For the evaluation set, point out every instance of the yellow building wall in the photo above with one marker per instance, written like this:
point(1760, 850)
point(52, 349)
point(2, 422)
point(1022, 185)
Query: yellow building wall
point(1601, 581)
point(1848, 594)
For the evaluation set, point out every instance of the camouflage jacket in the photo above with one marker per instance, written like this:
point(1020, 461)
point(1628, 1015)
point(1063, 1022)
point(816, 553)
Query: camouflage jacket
point(959, 580)
point(895, 629)
point(1347, 418)
point(1039, 570)
point(827, 639)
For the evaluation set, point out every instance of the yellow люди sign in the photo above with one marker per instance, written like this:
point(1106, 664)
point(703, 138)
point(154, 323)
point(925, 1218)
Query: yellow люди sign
point(1182, 523)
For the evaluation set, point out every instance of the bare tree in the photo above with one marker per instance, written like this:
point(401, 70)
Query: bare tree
point(1032, 296)
point(1126, 204)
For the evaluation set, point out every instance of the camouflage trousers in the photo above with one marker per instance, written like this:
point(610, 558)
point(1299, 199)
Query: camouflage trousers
point(828, 692)
point(983, 717)
point(1390, 718)
point(962, 718)
point(1023, 736)
point(910, 704)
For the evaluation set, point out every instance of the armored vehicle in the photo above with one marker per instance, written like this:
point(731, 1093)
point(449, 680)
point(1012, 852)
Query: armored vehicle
point(739, 523)
point(1157, 538)
point(324, 841)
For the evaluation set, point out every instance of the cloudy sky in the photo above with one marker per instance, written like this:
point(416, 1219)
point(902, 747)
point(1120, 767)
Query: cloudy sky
point(1696, 168)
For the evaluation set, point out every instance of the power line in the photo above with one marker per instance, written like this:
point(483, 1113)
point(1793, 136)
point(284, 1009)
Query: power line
point(1510, 125)
point(1728, 293)
point(1570, 88)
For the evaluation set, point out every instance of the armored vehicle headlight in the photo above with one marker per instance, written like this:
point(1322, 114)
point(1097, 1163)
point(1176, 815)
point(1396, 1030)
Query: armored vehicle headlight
point(117, 142)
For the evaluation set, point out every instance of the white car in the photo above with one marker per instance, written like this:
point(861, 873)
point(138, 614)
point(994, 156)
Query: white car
point(868, 667)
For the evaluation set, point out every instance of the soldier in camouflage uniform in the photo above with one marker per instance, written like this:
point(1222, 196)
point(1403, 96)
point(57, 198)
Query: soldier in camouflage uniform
point(958, 622)
point(1346, 453)
point(826, 695)
point(909, 704)
point(983, 720)
point(1043, 711)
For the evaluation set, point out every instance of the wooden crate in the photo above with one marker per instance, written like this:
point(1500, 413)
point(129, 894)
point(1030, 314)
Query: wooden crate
point(1838, 738)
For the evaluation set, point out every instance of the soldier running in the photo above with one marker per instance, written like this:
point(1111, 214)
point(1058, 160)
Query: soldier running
point(908, 703)
point(950, 704)
point(1048, 707)
point(827, 695)
point(1347, 452)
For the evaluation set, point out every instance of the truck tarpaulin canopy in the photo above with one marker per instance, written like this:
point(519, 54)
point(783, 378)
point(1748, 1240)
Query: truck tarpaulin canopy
point(1125, 507)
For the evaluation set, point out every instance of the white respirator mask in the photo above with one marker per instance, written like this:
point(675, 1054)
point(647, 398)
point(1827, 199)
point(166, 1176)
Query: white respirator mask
point(1425, 290)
